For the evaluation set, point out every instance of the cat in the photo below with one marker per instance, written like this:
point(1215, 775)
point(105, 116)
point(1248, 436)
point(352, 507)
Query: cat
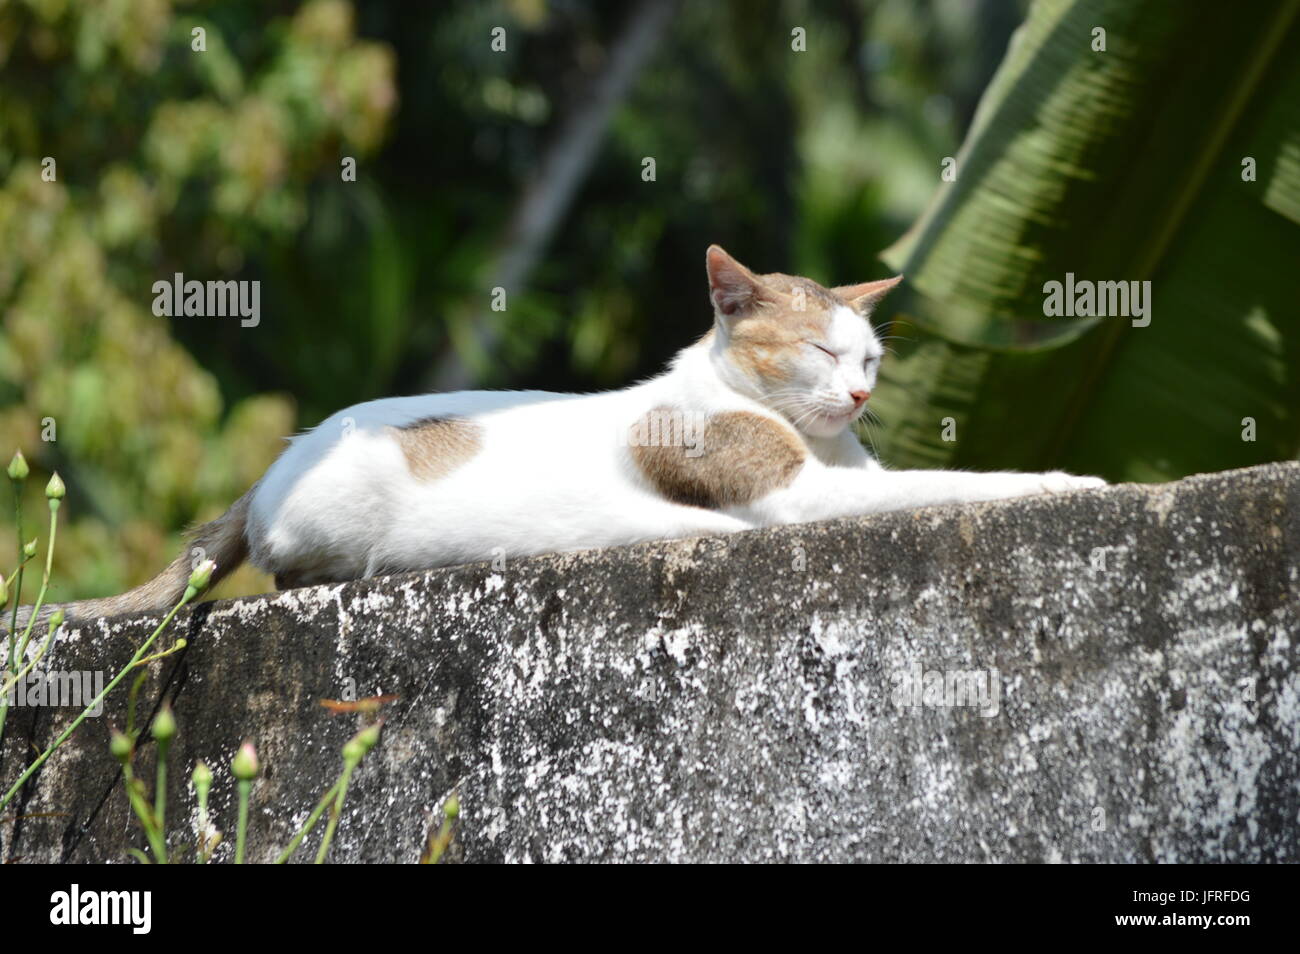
point(750, 426)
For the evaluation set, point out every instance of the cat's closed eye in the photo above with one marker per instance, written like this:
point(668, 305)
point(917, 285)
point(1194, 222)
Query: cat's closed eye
point(824, 350)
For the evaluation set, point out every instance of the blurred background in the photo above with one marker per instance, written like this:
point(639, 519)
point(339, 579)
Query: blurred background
point(845, 140)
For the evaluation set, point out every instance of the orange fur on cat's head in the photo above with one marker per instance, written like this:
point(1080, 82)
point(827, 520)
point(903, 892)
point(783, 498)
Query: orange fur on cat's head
point(778, 331)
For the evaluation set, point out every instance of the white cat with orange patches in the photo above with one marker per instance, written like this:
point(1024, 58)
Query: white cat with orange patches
point(749, 427)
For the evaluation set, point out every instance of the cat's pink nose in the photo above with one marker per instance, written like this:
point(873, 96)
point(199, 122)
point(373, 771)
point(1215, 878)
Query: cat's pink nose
point(859, 397)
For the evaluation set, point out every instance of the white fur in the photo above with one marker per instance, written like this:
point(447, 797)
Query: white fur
point(554, 472)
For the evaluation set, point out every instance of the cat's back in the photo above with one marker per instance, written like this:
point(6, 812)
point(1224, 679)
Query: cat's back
point(381, 417)
point(403, 411)
point(369, 463)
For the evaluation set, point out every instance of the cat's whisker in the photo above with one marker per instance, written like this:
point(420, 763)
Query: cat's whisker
point(791, 402)
point(806, 415)
point(867, 438)
point(869, 434)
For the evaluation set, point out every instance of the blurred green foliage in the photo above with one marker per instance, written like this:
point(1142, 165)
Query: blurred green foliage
point(160, 159)
point(225, 164)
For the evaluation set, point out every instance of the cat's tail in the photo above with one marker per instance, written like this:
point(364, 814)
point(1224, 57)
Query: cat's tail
point(224, 541)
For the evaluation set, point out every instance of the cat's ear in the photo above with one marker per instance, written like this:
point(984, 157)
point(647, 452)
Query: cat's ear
point(867, 295)
point(734, 289)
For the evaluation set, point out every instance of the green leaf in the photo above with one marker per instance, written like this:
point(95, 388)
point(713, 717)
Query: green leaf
point(1117, 165)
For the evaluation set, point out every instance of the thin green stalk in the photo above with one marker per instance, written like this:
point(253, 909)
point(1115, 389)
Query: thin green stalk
point(35, 610)
point(353, 752)
point(308, 825)
point(336, 810)
point(160, 809)
point(202, 778)
point(17, 482)
point(55, 622)
point(16, 478)
point(130, 703)
point(45, 579)
point(9, 583)
point(160, 787)
point(177, 647)
point(245, 788)
point(191, 591)
point(145, 812)
point(245, 767)
point(438, 842)
point(164, 730)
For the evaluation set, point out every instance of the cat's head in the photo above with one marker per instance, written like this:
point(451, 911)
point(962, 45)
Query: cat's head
point(806, 351)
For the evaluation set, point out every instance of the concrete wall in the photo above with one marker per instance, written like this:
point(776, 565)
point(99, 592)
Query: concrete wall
point(734, 699)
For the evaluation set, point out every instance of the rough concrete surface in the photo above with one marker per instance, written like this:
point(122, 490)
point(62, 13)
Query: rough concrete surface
point(736, 699)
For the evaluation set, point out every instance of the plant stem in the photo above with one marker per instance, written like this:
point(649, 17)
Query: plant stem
point(335, 811)
point(31, 663)
point(17, 596)
point(45, 580)
point(438, 842)
point(45, 576)
point(160, 794)
point(245, 788)
point(10, 580)
point(144, 811)
point(190, 593)
point(308, 825)
point(18, 593)
point(130, 703)
point(202, 852)
point(180, 644)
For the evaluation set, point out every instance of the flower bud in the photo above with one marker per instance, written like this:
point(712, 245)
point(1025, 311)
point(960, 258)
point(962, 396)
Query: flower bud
point(4, 590)
point(56, 619)
point(244, 764)
point(29, 548)
point(18, 467)
point(119, 744)
point(202, 575)
point(202, 778)
point(451, 808)
point(361, 743)
point(164, 724)
point(55, 489)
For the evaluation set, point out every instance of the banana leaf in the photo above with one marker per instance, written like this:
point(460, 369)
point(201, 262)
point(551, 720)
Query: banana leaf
point(1171, 157)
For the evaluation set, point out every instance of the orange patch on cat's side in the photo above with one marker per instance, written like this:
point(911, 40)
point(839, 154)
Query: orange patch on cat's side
point(436, 446)
point(741, 457)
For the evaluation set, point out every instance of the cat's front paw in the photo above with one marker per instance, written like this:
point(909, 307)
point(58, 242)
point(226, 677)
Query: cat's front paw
point(1059, 482)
